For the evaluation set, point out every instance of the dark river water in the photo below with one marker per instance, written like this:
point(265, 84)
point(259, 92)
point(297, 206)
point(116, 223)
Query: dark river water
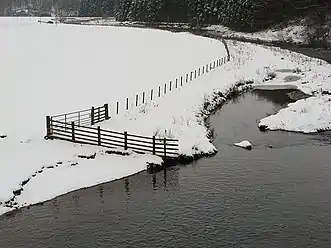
point(266, 197)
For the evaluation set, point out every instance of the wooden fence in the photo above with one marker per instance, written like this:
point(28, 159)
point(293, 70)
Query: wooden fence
point(169, 86)
point(87, 117)
point(167, 148)
point(78, 126)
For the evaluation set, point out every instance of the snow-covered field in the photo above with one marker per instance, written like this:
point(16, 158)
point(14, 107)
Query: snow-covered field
point(293, 33)
point(48, 69)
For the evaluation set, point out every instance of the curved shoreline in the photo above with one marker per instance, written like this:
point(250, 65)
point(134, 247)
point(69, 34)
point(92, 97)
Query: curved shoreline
point(209, 107)
point(324, 53)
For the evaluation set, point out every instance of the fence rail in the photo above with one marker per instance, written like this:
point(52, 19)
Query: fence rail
point(87, 117)
point(167, 148)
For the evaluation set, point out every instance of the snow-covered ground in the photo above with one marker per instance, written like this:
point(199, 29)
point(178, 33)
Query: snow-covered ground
point(48, 69)
point(293, 33)
point(308, 116)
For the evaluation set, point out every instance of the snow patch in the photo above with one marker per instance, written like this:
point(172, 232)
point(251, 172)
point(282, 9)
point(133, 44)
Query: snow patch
point(307, 116)
point(244, 144)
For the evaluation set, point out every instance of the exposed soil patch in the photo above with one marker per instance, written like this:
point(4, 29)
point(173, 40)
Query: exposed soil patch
point(88, 156)
point(296, 95)
point(325, 92)
point(25, 181)
point(285, 70)
point(123, 153)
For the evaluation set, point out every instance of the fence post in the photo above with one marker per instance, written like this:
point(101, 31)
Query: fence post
point(151, 94)
point(99, 114)
point(165, 147)
point(92, 116)
point(73, 131)
point(154, 145)
point(203, 70)
point(48, 126)
point(214, 64)
point(176, 83)
point(143, 97)
point(159, 91)
point(199, 72)
point(195, 73)
point(106, 111)
point(125, 140)
point(137, 100)
point(165, 88)
point(186, 77)
point(206, 68)
point(170, 85)
point(181, 80)
point(127, 103)
point(191, 76)
point(99, 136)
point(117, 107)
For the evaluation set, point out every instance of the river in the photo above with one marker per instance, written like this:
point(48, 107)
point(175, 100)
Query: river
point(266, 197)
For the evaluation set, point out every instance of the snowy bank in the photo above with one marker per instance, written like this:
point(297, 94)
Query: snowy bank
point(306, 116)
point(294, 33)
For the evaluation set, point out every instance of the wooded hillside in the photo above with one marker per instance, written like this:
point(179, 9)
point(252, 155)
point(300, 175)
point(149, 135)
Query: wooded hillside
point(244, 15)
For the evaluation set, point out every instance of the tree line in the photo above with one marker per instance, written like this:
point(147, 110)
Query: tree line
point(245, 15)
point(39, 7)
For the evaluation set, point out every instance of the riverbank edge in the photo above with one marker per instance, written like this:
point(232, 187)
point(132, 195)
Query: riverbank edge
point(209, 108)
point(224, 97)
point(201, 30)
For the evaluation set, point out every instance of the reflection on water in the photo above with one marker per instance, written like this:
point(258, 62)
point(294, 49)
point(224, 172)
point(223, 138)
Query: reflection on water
point(277, 197)
point(278, 97)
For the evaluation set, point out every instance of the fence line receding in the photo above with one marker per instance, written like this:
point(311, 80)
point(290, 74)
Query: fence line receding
point(78, 126)
point(57, 129)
